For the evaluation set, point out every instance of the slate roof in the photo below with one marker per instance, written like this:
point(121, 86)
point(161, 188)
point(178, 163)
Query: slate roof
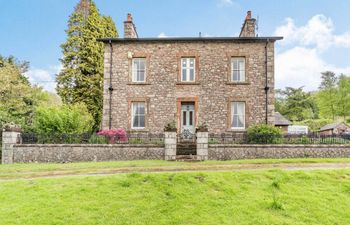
point(281, 120)
point(331, 126)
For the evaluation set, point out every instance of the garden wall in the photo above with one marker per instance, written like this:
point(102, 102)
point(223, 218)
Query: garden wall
point(61, 153)
point(246, 151)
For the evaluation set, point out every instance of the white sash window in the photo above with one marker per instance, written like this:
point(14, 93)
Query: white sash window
point(188, 73)
point(139, 70)
point(238, 69)
point(138, 115)
point(238, 115)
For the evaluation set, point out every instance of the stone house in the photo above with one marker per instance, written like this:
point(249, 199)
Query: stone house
point(225, 82)
point(334, 128)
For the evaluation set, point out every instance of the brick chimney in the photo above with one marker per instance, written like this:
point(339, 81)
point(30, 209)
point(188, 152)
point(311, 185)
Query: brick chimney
point(248, 28)
point(129, 28)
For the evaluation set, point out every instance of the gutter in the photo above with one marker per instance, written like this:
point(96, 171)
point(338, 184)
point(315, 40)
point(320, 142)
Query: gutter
point(267, 88)
point(110, 88)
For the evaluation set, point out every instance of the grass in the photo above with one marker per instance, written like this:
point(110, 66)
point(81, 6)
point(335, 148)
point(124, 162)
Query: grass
point(15, 170)
point(239, 197)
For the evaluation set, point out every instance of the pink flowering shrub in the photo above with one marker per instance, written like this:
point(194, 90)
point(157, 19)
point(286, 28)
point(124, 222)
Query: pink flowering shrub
point(114, 135)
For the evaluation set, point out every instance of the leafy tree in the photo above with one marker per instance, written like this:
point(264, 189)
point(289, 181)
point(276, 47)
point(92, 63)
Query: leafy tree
point(343, 96)
point(296, 104)
point(327, 96)
point(18, 98)
point(81, 79)
point(65, 119)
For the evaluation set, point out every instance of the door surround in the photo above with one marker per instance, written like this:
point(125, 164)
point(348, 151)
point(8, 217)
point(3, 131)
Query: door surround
point(179, 102)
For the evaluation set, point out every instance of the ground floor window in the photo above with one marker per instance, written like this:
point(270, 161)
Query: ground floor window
point(238, 115)
point(138, 115)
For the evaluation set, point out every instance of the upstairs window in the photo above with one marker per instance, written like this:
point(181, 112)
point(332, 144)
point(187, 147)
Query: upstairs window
point(188, 69)
point(138, 115)
point(238, 115)
point(238, 69)
point(139, 70)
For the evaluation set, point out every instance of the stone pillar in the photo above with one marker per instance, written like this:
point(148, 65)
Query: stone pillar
point(9, 138)
point(202, 145)
point(170, 145)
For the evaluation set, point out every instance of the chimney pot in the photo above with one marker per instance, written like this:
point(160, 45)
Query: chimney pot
point(129, 18)
point(249, 15)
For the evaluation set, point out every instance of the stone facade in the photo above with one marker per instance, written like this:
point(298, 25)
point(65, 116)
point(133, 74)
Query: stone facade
point(62, 153)
point(232, 152)
point(212, 91)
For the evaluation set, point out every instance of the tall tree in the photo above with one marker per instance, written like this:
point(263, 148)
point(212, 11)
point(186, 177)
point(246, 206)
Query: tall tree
point(343, 96)
point(327, 96)
point(18, 98)
point(81, 79)
point(296, 104)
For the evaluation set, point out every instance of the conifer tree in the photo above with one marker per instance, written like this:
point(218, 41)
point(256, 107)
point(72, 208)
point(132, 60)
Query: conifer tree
point(81, 79)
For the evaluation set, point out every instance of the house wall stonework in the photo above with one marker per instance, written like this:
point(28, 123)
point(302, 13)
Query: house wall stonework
point(213, 88)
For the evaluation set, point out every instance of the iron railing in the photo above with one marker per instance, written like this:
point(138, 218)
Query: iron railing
point(311, 138)
point(86, 138)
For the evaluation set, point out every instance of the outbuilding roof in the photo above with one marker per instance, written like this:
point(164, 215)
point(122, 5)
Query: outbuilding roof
point(331, 126)
point(281, 120)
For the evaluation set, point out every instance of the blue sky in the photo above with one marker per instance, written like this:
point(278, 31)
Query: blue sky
point(317, 32)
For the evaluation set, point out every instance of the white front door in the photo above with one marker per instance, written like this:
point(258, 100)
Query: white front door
point(187, 118)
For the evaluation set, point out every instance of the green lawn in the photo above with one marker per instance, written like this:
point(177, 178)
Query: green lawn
point(211, 197)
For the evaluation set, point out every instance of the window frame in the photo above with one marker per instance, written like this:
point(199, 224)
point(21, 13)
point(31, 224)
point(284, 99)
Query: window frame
point(132, 114)
point(233, 114)
point(188, 69)
point(233, 58)
point(135, 71)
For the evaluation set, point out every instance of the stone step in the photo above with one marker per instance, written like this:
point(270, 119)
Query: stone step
point(187, 158)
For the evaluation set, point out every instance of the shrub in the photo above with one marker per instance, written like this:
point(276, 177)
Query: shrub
point(114, 135)
point(66, 119)
point(263, 134)
point(170, 127)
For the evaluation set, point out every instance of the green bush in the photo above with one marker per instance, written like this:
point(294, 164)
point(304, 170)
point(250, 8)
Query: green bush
point(66, 119)
point(314, 124)
point(263, 134)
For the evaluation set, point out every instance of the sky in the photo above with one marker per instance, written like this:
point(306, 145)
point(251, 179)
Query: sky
point(316, 32)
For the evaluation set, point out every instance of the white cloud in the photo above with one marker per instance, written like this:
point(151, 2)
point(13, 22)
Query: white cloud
point(226, 3)
point(162, 35)
point(44, 77)
point(299, 60)
point(317, 32)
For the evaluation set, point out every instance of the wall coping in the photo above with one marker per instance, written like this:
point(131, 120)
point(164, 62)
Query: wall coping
point(92, 145)
point(280, 145)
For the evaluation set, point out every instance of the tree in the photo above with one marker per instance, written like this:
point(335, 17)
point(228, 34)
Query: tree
point(296, 104)
point(65, 119)
point(327, 96)
point(343, 96)
point(18, 98)
point(81, 79)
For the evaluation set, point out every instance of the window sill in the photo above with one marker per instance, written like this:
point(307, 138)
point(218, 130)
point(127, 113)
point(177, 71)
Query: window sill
point(138, 83)
point(235, 130)
point(238, 83)
point(140, 130)
point(187, 83)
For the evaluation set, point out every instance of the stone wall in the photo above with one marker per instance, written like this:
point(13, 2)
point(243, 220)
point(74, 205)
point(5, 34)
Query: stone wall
point(61, 153)
point(232, 152)
point(212, 90)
